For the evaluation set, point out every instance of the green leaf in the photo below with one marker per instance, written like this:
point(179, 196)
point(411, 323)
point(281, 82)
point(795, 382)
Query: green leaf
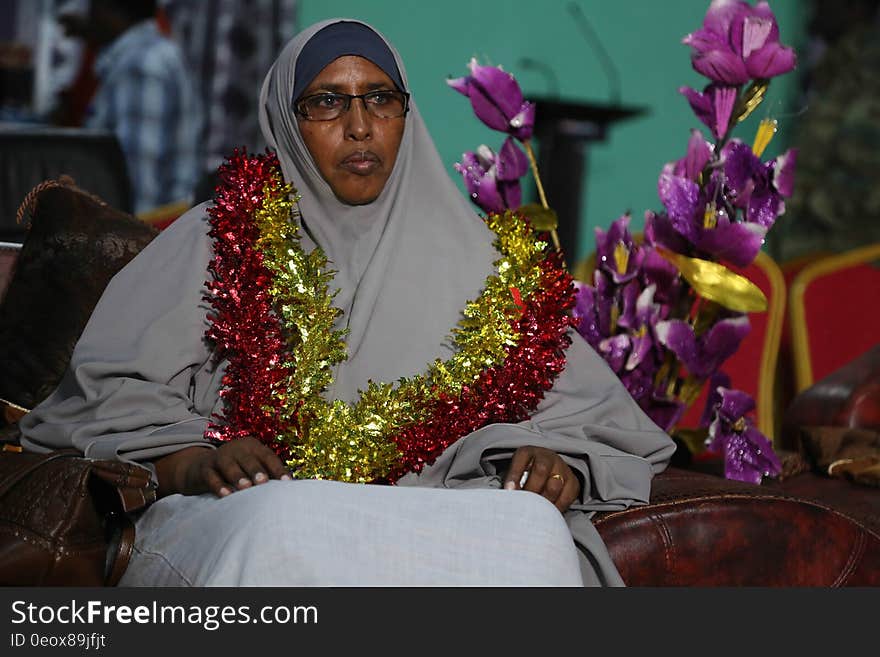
point(543, 219)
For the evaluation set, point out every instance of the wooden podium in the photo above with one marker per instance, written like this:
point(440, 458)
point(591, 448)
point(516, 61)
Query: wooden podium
point(564, 130)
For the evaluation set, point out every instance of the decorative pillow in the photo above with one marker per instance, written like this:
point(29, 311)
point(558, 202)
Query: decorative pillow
point(74, 245)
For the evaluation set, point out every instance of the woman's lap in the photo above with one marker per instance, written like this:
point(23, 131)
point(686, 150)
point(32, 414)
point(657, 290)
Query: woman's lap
point(324, 533)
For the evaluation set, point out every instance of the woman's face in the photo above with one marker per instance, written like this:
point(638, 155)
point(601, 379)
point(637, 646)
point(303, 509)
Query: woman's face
point(356, 151)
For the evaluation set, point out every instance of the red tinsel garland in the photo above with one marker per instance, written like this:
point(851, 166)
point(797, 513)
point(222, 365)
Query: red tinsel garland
point(247, 333)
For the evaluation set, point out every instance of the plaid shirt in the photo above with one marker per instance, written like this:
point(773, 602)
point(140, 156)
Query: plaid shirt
point(146, 98)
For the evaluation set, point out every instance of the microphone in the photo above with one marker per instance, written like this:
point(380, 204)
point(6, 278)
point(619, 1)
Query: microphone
point(545, 70)
point(592, 38)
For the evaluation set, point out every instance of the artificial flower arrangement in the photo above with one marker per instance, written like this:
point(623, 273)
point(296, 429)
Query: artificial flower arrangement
point(665, 312)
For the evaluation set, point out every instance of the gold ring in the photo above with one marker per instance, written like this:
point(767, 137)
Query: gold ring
point(557, 476)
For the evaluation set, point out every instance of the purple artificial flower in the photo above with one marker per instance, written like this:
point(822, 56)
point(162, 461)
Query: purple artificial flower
point(492, 181)
point(593, 309)
point(698, 214)
point(702, 355)
point(616, 253)
point(585, 313)
point(739, 42)
point(713, 106)
point(756, 187)
point(662, 274)
point(628, 349)
point(748, 455)
point(497, 99)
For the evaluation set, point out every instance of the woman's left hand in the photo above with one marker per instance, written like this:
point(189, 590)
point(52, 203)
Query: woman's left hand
point(548, 475)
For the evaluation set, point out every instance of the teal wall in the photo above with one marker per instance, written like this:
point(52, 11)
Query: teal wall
point(643, 37)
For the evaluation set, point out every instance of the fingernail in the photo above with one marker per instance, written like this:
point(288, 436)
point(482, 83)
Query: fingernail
point(260, 478)
point(244, 482)
point(510, 485)
point(286, 477)
point(224, 492)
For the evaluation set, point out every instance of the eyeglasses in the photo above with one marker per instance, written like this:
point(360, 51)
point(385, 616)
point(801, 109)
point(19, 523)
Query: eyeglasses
point(329, 106)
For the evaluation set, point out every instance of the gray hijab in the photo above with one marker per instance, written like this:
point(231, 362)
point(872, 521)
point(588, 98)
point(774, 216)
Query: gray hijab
point(406, 263)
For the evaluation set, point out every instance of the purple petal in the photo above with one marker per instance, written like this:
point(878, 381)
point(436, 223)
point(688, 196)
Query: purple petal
point(638, 382)
point(500, 87)
point(614, 350)
point(723, 14)
point(737, 243)
point(659, 231)
point(749, 457)
point(659, 273)
point(486, 109)
point(755, 30)
point(770, 61)
point(783, 175)
point(765, 206)
point(680, 197)
point(723, 99)
point(723, 66)
point(700, 104)
point(629, 297)
point(678, 336)
point(480, 182)
point(762, 10)
point(512, 163)
point(713, 400)
point(461, 85)
point(735, 404)
point(471, 171)
point(584, 313)
point(699, 153)
point(718, 344)
point(523, 122)
point(704, 40)
point(741, 166)
point(511, 194)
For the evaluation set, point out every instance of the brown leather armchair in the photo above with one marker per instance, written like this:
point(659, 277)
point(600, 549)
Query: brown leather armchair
point(703, 530)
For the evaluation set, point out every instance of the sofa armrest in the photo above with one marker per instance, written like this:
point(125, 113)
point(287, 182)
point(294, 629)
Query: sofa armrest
point(703, 530)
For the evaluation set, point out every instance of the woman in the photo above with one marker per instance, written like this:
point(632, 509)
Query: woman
point(145, 384)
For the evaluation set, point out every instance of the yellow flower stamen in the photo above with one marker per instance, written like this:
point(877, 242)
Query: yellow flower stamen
point(621, 257)
point(710, 216)
point(766, 130)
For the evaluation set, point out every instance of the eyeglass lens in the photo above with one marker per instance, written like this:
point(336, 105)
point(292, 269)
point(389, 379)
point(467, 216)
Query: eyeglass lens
point(381, 104)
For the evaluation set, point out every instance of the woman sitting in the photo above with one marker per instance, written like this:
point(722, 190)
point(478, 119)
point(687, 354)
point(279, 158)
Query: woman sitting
point(246, 369)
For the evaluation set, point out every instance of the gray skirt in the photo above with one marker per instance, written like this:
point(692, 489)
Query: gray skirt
point(327, 533)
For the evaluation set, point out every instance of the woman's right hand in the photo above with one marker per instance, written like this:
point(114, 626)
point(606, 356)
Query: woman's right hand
point(235, 465)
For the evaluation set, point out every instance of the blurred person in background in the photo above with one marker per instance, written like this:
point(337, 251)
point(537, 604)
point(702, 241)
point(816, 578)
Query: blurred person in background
point(145, 95)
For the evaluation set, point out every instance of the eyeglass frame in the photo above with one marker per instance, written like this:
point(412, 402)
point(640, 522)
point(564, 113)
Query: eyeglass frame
point(348, 100)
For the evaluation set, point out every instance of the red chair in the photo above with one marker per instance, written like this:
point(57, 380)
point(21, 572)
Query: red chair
point(835, 312)
point(752, 368)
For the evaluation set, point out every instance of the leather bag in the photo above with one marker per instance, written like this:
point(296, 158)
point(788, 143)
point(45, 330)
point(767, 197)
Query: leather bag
point(64, 519)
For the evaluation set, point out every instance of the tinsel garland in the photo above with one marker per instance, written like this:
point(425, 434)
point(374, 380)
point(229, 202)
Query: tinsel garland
point(272, 321)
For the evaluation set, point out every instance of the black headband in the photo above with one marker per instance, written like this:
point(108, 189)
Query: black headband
point(338, 40)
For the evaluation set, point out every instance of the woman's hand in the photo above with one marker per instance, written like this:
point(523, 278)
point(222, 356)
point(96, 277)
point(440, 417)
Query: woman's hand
point(235, 465)
point(548, 475)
